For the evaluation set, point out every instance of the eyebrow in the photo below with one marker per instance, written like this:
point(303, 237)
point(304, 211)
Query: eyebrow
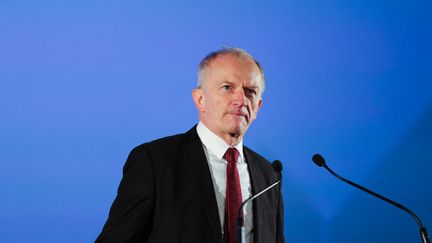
point(252, 87)
point(226, 81)
point(230, 82)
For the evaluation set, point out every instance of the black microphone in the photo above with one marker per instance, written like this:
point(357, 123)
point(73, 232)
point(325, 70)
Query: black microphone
point(320, 161)
point(277, 167)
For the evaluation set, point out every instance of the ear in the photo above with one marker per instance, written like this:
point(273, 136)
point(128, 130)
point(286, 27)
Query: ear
point(259, 106)
point(198, 98)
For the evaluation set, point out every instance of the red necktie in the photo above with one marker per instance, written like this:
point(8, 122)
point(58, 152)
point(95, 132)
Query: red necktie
point(233, 196)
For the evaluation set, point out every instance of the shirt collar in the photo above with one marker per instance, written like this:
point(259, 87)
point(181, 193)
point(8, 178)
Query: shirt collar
point(216, 144)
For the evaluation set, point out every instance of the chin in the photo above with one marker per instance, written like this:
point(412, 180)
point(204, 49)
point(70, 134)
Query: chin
point(236, 131)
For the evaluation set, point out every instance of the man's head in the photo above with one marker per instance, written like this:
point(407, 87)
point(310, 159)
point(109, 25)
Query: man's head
point(228, 96)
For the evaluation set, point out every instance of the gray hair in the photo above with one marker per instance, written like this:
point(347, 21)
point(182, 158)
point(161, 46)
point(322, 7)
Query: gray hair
point(206, 61)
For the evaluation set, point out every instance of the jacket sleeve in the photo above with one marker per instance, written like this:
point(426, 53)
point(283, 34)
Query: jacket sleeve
point(280, 219)
point(131, 215)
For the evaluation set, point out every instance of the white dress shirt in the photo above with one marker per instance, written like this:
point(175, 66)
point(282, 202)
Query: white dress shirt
point(215, 148)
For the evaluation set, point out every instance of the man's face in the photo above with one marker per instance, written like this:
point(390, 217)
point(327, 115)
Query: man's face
point(230, 96)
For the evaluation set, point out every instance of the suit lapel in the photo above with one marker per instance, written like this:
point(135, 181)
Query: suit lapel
point(195, 156)
point(257, 182)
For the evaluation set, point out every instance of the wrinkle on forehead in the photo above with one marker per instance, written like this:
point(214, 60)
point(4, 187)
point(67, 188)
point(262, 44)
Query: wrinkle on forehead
point(247, 66)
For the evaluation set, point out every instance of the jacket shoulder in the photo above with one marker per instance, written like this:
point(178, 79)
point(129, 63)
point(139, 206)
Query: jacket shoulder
point(250, 154)
point(168, 145)
point(259, 161)
point(165, 143)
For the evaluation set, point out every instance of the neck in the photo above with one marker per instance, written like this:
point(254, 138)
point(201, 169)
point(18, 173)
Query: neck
point(232, 139)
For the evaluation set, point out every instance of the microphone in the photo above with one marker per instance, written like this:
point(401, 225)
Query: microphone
point(320, 161)
point(277, 167)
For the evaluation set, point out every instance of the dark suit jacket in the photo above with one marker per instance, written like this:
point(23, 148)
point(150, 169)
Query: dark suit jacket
point(167, 195)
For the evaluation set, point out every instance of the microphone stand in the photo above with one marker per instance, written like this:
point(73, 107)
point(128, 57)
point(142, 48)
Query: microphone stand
point(240, 228)
point(319, 160)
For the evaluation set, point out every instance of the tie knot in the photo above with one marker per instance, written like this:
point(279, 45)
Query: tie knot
point(231, 155)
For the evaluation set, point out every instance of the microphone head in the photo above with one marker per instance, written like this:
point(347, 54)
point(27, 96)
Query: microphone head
point(318, 160)
point(277, 166)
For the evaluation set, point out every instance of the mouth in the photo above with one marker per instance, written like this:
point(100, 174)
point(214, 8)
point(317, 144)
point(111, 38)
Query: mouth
point(240, 114)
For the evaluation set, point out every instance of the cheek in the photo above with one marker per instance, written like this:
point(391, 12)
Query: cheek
point(219, 106)
point(254, 109)
point(213, 107)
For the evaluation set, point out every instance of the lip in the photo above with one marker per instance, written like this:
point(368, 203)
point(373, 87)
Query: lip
point(240, 114)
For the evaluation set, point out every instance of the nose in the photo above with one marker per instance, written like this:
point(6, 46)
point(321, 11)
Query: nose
point(239, 97)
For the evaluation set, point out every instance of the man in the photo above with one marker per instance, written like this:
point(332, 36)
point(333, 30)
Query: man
point(188, 187)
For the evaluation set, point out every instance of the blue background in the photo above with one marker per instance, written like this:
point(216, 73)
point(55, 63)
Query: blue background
point(83, 82)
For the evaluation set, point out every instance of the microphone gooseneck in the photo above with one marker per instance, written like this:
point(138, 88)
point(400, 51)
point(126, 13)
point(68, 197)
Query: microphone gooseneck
point(320, 161)
point(277, 167)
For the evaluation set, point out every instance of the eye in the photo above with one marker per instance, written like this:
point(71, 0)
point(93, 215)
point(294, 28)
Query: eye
point(227, 87)
point(251, 92)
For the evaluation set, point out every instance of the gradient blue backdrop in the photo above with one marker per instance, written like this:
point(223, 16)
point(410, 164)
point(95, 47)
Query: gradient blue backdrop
point(83, 82)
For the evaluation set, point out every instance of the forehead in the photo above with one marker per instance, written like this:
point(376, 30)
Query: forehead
point(233, 67)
